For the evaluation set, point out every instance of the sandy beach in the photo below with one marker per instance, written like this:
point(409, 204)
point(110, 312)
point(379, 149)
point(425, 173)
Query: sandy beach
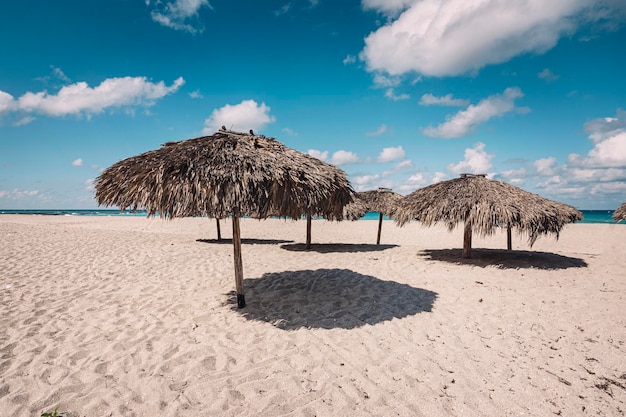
point(128, 316)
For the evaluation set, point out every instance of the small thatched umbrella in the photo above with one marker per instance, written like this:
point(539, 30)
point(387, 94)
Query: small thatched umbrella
point(226, 174)
point(620, 213)
point(483, 205)
point(383, 200)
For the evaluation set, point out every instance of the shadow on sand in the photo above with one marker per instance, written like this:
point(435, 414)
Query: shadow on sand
point(246, 241)
point(336, 247)
point(329, 299)
point(505, 259)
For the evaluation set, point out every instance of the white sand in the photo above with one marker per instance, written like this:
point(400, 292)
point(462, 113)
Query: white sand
point(121, 316)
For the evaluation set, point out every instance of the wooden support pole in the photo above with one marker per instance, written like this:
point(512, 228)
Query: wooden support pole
point(380, 226)
point(509, 243)
point(241, 300)
point(467, 240)
point(219, 232)
point(308, 231)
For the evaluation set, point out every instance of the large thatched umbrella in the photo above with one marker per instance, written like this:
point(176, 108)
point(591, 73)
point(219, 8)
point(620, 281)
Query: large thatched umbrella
point(226, 174)
point(483, 205)
point(383, 200)
point(620, 213)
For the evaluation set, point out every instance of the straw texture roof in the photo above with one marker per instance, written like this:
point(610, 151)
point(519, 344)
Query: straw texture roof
point(486, 204)
point(225, 174)
point(382, 200)
point(620, 213)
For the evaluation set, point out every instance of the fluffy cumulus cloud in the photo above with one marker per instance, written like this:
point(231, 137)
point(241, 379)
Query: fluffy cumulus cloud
point(179, 14)
point(242, 117)
point(6, 102)
point(600, 173)
point(465, 121)
point(608, 136)
point(391, 154)
point(344, 158)
point(322, 155)
point(77, 162)
point(545, 166)
point(452, 37)
point(79, 98)
point(476, 161)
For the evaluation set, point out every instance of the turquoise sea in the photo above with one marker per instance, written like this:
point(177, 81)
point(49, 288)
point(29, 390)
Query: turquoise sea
point(590, 216)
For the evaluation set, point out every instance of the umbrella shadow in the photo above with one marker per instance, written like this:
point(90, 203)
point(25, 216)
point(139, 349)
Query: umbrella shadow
point(505, 259)
point(329, 299)
point(336, 247)
point(246, 241)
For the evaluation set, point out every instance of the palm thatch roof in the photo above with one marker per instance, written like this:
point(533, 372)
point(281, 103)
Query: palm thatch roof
point(484, 205)
point(226, 174)
point(620, 213)
point(382, 200)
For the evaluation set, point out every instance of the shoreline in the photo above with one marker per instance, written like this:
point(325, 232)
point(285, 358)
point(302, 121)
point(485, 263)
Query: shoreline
point(128, 315)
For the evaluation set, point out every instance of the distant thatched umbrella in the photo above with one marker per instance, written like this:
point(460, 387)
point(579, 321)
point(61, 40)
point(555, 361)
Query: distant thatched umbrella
point(483, 205)
point(226, 174)
point(620, 213)
point(383, 200)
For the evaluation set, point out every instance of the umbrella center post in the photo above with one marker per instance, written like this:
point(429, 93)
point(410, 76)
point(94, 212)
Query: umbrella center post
point(241, 300)
point(467, 240)
point(380, 226)
point(308, 231)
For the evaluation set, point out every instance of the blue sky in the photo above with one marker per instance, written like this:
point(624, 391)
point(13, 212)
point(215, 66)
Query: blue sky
point(398, 93)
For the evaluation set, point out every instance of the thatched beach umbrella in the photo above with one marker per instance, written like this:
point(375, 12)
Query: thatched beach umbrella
point(483, 205)
point(620, 213)
point(383, 200)
point(227, 174)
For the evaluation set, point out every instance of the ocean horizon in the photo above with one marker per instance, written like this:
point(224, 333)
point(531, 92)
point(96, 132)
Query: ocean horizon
point(589, 216)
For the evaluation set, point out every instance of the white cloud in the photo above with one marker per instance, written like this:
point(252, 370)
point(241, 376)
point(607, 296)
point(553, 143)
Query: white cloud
point(175, 15)
point(90, 184)
point(391, 154)
point(382, 129)
point(77, 162)
point(446, 38)
point(17, 194)
point(608, 135)
point(447, 100)
point(344, 158)
point(24, 121)
point(390, 94)
point(466, 120)
point(389, 7)
point(289, 131)
point(80, 98)
point(407, 163)
point(385, 81)
point(196, 94)
point(606, 127)
point(548, 75)
point(477, 161)
point(609, 153)
point(545, 166)
point(284, 9)
point(6, 102)
point(438, 177)
point(349, 59)
point(322, 155)
point(242, 117)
